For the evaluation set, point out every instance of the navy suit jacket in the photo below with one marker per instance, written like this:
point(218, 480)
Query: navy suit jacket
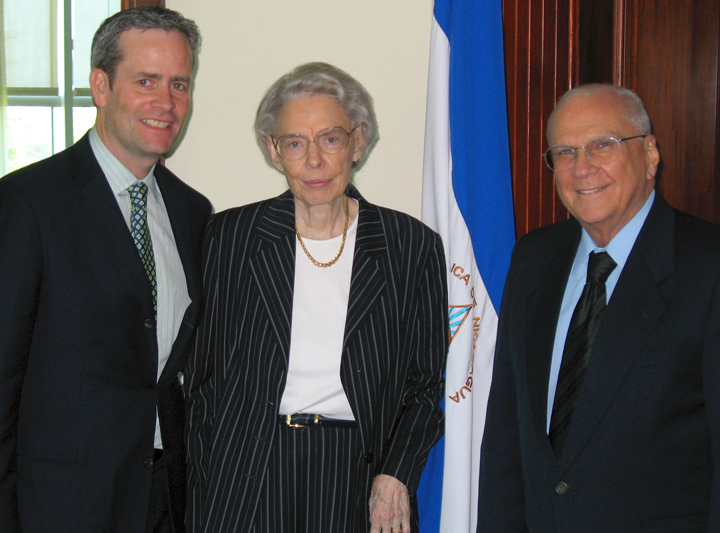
point(78, 350)
point(643, 448)
point(393, 356)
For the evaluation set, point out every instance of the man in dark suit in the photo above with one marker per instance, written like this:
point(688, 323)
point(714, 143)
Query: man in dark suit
point(604, 408)
point(100, 291)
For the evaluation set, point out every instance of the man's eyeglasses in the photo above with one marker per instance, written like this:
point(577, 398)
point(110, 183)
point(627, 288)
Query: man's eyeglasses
point(603, 150)
point(331, 141)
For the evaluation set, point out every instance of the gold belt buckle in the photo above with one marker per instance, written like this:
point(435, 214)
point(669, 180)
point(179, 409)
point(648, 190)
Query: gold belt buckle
point(290, 423)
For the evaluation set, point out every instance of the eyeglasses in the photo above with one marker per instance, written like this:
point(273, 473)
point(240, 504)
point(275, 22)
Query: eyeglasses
point(603, 150)
point(331, 141)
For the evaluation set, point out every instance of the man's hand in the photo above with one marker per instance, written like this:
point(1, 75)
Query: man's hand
point(389, 506)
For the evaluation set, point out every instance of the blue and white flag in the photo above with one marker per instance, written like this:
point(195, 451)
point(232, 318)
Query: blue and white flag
point(467, 198)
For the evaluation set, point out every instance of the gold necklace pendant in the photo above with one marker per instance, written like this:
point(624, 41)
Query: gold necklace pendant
point(342, 245)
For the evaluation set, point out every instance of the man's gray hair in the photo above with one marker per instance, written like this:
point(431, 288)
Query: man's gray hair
point(637, 114)
point(106, 52)
point(314, 79)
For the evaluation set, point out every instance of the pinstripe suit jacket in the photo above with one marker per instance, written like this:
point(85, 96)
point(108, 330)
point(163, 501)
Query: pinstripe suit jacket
point(393, 356)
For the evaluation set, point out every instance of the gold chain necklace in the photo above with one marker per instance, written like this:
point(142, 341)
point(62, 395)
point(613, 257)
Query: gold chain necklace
point(342, 245)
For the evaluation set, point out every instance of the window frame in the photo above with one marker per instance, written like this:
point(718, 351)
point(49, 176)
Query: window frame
point(64, 97)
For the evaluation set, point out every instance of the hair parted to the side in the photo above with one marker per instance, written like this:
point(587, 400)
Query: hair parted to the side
point(314, 79)
point(106, 53)
point(637, 114)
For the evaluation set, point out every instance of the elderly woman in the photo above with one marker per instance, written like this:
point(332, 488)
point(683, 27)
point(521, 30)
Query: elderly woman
point(314, 384)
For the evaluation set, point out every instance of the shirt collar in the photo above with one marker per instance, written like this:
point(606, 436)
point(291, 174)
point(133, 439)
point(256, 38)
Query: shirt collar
point(118, 175)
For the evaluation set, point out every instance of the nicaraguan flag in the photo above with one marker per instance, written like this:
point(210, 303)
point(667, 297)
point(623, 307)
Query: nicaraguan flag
point(467, 198)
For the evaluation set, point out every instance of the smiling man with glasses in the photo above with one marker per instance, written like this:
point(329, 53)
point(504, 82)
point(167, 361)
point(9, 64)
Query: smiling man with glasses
point(604, 410)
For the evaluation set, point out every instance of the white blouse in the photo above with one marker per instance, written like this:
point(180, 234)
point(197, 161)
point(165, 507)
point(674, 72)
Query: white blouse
point(320, 302)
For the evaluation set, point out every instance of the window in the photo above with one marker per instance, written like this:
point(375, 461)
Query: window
point(45, 100)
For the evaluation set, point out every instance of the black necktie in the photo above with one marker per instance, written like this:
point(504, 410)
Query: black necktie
point(578, 345)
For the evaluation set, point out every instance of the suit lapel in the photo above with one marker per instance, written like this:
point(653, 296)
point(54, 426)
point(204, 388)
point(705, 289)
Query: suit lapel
point(183, 234)
point(273, 265)
point(368, 279)
point(96, 204)
point(368, 282)
point(633, 311)
point(542, 311)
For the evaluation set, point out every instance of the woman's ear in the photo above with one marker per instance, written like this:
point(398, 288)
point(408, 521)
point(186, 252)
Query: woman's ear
point(274, 155)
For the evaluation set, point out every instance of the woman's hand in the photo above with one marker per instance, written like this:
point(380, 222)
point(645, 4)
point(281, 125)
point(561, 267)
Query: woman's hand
point(389, 506)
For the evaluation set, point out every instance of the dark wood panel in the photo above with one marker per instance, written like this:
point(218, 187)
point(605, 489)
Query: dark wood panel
point(538, 70)
point(127, 4)
point(596, 43)
point(671, 60)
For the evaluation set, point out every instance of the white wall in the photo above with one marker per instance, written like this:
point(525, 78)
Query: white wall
point(248, 44)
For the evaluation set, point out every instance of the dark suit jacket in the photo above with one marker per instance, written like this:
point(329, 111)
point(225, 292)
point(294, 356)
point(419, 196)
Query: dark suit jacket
point(393, 354)
point(642, 449)
point(78, 350)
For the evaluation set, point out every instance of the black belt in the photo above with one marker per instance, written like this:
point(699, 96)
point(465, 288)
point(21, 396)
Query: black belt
point(301, 420)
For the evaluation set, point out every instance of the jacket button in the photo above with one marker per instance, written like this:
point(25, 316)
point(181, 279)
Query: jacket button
point(369, 457)
point(148, 462)
point(149, 323)
point(561, 488)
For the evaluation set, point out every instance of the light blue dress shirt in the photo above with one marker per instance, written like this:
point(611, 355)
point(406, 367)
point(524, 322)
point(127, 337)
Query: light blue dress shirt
point(619, 249)
point(172, 298)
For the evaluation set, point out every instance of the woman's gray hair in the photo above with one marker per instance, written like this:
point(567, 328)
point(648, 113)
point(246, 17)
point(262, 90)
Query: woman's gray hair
point(106, 53)
point(637, 114)
point(312, 79)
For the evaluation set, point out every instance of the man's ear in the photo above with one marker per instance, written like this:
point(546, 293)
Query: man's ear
point(652, 155)
point(100, 87)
